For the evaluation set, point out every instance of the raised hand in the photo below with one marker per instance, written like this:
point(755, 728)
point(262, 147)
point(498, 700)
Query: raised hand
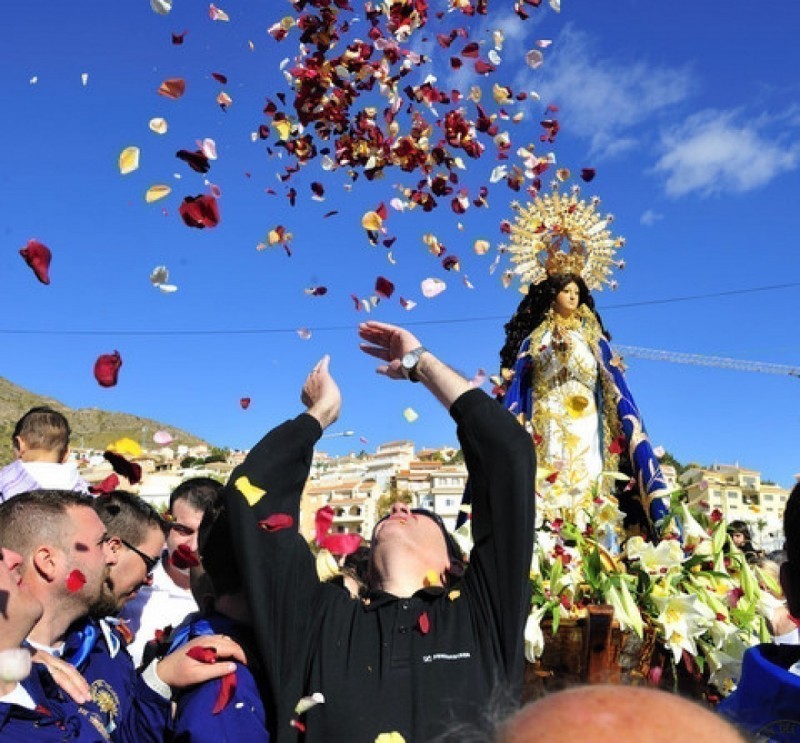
point(388, 343)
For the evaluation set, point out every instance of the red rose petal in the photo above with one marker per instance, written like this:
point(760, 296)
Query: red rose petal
point(104, 487)
point(200, 211)
point(322, 522)
point(384, 287)
point(617, 446)
point(342, 544)
point(75, 581)
point(106, 369)
point(219, 77)
point(38, 256)
point(172, 88)
point(130, 470)
point(245, 403)
point(184, 558)
point(424, 623)
point(227, 690)
point(276, 522)
point(202, 654)
point(552, 477)
point(588, 174)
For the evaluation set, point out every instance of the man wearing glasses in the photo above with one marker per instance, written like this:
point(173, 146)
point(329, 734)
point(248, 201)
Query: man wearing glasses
point(82, 556)
point(432, 643)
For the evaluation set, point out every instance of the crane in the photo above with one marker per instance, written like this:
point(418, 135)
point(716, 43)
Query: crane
point(698, 360)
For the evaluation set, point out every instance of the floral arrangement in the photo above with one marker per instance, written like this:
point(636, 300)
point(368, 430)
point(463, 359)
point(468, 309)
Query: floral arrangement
point(694, 588)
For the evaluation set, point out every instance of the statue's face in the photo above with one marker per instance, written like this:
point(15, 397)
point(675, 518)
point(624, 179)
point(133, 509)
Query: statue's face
point(567, 300)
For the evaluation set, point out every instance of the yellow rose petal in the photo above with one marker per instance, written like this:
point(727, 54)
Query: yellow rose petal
point(157, 192)
point(372, 221)
point(393, 737)
point(251, 493)
point(410, 415)
point(283, 127)
point(128, 160)
point(481, 247)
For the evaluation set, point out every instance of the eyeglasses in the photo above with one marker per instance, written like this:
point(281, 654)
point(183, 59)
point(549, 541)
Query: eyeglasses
point(150, 562)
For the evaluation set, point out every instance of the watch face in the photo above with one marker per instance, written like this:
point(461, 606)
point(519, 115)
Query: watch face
point(409, 360)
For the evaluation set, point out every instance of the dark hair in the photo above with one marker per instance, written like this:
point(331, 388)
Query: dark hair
point(199, 492)
point(791, 527)
point(37, 517)
point(128, 516)
point(740, 527)
point(43, 428)
point(531, 311)
point(215, 547)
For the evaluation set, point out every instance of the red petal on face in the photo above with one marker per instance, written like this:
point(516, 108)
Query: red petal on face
point(183, 558)
point(200, 211)
point(75, 581)
point(219, 77)
point(342, 544)
point(588, 174)
point(552, 477)
point(244, 402)
point(130, 470)
point(384, 287)
point(104, 487)
point(227, 689)
point(202, 655)
point(37, 256)
point(106, 369)
point(322, 522)
point(617, 446)
point(424, 623)
point(172, 88)
point(276, 522)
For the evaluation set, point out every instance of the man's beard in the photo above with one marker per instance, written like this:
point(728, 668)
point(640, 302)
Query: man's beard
point(106, 604)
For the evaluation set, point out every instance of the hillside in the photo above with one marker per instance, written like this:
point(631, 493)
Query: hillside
point(91, 427)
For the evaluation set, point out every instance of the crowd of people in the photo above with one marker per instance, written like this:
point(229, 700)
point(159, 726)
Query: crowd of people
point(212, 623)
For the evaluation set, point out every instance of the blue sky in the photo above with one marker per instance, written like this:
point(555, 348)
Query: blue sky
point(689, 113)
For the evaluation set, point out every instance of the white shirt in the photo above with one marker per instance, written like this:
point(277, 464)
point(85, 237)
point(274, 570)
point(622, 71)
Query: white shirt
point(19, 695)
point(156, 606)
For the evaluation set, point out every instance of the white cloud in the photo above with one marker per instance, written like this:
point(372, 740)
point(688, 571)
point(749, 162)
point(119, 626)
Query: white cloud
point(604, 100)
point(713, 152)
point(649, 218)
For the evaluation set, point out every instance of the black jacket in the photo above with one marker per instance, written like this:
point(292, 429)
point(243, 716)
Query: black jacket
point(415, 665)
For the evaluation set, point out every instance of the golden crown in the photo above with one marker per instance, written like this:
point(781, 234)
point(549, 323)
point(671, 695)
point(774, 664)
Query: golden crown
point(558, 233)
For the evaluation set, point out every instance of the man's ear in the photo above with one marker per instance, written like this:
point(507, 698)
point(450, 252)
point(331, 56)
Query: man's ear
point(791, 588)
point(20, 447)
point(114, 544)
point(46, 561)
point(66, 456)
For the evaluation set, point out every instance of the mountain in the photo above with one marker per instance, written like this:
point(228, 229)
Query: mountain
point(91, 427)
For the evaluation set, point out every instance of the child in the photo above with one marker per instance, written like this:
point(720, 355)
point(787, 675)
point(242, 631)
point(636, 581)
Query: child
point(41, 444)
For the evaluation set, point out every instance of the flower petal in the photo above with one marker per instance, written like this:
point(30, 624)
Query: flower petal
point(128, 160)
point(106, 369)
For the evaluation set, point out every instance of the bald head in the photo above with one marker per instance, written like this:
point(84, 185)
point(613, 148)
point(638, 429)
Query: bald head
point(610, 714)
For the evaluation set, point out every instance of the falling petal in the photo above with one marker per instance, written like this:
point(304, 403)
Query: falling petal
point(534, 58)
point(162, 7)
point(372, 222)
point(84, 78)
point(199, 211)
point(410, 415)
point(159, 275)
point(588, 174)
point(217, 14)
point(306, 703)
point(38, 256)
point(172, 88)
point(209, 148)
point(407, 304)
point(129, 160)
point(481, 247)
point(245, 403)
point(432, 287)
point(106, 369)
point(304, 333)
point(157, 192)
point(384, 287)
point(162, 438)
point(158, 125)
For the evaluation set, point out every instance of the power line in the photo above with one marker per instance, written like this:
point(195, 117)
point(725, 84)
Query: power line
point(328, 328)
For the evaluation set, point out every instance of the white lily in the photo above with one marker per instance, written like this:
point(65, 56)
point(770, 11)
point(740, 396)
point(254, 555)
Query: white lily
point(683, 618)
point(534, 637)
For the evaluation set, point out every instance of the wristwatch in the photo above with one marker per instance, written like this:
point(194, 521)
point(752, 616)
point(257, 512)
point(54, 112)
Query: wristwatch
point(410, 362)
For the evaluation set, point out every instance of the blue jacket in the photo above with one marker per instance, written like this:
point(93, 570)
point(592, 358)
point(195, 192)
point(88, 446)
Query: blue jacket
point(767, 701)
point(56, 719)
point(243, 718)
point(130, 709)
